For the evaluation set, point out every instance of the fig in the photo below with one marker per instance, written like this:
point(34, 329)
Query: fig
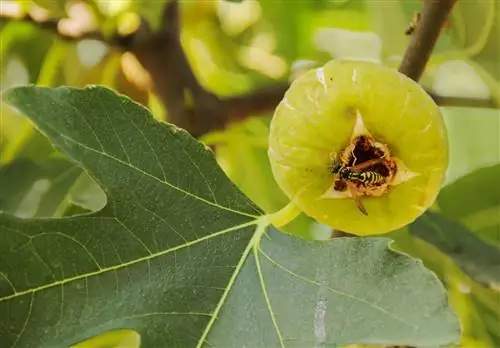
point(359, 147)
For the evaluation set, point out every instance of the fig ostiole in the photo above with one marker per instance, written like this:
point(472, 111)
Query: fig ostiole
point(359, 147)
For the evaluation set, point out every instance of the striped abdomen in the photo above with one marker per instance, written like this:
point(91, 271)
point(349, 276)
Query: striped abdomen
point(368, 177)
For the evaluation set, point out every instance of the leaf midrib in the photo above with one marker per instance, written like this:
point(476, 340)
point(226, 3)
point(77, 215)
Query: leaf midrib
point(262, 224)
point(187, 193)
point(130, 263)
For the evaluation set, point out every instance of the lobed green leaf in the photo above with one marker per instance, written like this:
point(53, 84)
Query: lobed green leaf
point(175, 254)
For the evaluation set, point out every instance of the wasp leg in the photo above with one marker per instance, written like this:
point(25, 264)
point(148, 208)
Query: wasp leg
point(356, 198)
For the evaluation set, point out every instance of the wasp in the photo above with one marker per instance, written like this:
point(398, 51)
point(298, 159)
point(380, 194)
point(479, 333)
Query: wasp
point(353, 174)
point(413, 24)
point(367, 178)
point(416, 20)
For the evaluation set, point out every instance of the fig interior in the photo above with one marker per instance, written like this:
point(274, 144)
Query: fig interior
point(362, 149)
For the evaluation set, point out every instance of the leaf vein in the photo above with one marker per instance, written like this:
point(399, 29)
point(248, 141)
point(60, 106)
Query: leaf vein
point(25, 324)
point(338, 292)
point(142, 172)
point(153, 151)
point(266, 296)
point(129, 263)
point(114, 130)
point(134, 236)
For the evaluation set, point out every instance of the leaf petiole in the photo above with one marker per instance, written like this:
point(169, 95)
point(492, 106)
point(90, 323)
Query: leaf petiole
point(278, 219)
point(285, 215)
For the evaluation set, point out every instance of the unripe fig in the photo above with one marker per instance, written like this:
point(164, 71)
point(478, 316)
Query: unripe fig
point(359, 147)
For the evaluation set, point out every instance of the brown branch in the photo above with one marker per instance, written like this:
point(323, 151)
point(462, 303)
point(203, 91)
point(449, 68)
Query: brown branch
point(424, 38)
point(163, 56)
point(265, 100)
point(463, 102)
point(261, 101)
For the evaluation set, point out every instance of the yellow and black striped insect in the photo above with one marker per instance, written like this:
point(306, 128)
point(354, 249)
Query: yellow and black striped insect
point(413, 24)
point(355, 173)
point(415, 20)
point(367, 177)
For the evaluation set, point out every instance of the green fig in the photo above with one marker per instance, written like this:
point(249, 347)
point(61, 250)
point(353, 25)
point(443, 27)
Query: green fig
point(359, 147)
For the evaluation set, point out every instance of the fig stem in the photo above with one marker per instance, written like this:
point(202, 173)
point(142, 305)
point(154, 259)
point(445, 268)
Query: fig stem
point(285, 215)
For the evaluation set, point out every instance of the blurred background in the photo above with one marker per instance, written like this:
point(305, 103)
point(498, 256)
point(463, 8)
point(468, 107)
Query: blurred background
point(219, 68)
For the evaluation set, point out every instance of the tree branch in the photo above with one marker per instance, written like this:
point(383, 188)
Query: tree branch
point(261, 101)
point(423, 40)
point(163, 56)
point(463, 102)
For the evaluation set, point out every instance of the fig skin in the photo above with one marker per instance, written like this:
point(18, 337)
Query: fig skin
point(315, 121)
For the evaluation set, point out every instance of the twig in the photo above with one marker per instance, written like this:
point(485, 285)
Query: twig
point(163, 57)
point(261, 101)
point(463, 102)
point(266, 99)
point(433, 16)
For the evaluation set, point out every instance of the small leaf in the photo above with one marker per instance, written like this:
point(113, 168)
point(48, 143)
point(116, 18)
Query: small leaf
point(176, 256)
point(472, 133)
point(480, 260)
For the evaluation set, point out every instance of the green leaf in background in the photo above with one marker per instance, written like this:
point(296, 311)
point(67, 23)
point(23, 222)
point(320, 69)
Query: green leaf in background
point(86, 194)
point(476, 305)
point(176, 254)
point(474, 140)
point(470, 33)
point(474, 200)
point(389, 21)
point(480, 260)
point(56, 8)
point(36, 189)
point(477, 26)
point(286, 22)
point(28, 144)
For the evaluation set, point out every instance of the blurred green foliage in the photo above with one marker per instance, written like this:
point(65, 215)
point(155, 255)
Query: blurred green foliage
point(239, 46)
